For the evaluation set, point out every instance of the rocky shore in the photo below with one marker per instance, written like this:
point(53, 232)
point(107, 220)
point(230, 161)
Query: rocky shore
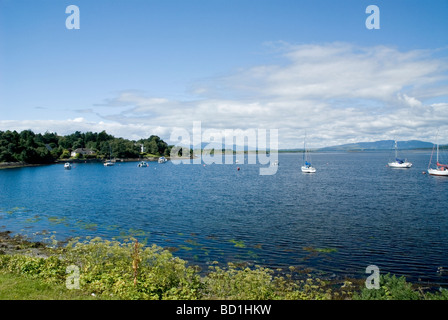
point(19, 245)
point(10, 165)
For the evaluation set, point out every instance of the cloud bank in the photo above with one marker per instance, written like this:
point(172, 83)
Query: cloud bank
point(338, 93)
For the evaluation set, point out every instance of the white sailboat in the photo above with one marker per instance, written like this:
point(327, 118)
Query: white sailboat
point(399, 163)
point(440, 169)
point(307, 167)
point(109, 162)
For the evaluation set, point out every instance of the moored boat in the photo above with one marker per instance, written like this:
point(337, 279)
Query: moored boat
point(399, 163)
point(440, 169)
point(109, 162)
point(142, 164)
point(307, 167)
point(162, 160)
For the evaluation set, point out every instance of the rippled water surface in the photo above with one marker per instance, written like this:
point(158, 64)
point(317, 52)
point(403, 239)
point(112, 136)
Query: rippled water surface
point(354, 212)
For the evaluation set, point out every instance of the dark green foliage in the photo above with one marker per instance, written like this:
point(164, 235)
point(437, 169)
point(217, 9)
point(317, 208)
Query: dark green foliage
point(25, 146)
point(392, 288)
point(155, 146)
point(29, 147)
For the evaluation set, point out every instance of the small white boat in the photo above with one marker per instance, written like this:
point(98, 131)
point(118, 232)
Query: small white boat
point(108, 163)
point(162, 160)
point(440, 169)
point(275, 163)
point(307, 167)
point(399, 163)
point(143, 164)
point(67, 166)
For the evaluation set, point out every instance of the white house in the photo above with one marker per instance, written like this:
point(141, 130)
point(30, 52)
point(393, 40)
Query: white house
point(82, 151)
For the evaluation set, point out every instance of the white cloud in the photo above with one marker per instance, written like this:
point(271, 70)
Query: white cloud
point(337, 92)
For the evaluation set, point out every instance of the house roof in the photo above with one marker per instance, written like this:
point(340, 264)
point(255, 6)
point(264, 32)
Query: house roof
point(83, 150)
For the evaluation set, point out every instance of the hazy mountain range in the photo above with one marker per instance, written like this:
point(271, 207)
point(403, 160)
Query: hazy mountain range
point(358, 146)
point(380, 145)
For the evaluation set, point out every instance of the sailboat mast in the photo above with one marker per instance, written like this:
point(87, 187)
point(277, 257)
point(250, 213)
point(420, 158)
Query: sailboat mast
point(304, 150)
point(437, 152)
point(396, 155)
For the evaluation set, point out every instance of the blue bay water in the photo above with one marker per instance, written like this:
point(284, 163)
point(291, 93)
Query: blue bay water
point(354, 212)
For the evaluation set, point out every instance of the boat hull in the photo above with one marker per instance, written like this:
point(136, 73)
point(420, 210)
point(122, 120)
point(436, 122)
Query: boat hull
point(308, 169)
point(437, 172)
point(400, 165)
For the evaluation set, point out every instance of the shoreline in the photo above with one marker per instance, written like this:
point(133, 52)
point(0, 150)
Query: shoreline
point(14, 165)
point(19, 245)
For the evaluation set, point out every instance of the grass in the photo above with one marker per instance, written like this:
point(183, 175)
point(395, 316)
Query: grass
point(18, 287)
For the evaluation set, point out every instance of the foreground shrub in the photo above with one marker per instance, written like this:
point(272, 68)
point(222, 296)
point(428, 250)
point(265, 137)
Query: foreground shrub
point(129, 271)
point(391, 288)
point(259, 284)
point(51, 269)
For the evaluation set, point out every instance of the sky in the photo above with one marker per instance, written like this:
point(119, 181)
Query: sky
point(140, 67)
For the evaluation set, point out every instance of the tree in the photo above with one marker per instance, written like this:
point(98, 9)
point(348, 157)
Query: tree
point(65, 154)
point(152, 147)
point(29, 147)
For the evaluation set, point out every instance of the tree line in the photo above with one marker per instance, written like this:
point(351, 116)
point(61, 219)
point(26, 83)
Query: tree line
point(34, 148)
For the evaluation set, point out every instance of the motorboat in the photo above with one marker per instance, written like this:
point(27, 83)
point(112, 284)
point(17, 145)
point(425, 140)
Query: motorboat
point(142, 164)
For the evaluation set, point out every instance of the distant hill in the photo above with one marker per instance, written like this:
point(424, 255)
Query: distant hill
point(358, 146)
point(380, 145)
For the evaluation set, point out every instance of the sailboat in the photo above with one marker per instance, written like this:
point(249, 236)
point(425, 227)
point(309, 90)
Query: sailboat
point(399, 163)
point(109, 162)
point(307, 167)
point(441, 169)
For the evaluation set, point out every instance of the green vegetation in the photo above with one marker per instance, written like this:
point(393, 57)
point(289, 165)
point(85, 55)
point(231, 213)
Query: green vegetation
point(129, 270)
point(18, 287)
point(32, 148)
point(396, 288)
point(238, 244)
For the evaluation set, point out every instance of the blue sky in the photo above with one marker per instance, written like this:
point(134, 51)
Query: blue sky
point(136, 68)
